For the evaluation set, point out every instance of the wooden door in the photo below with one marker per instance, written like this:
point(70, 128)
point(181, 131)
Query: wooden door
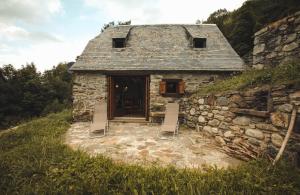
point(147, 96)
point(111, 97)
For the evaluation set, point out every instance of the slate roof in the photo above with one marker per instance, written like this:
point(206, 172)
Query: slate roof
point(160, 47)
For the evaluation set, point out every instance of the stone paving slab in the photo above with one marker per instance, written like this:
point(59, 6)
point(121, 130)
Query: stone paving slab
point(139, 143)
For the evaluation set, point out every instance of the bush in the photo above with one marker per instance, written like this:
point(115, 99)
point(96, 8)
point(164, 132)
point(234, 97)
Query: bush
point(34, 160)
point(53, 107)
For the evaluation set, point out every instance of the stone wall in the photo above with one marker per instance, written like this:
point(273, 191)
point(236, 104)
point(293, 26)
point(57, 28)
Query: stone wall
point(277, 42)
point(193, 81)
point(91, 87)
point(87, 89)
point(249, 123)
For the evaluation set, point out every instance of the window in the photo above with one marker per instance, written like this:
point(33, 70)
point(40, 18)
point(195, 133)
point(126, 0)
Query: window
point(171, 87)
point(118, 42)
point(199, 42)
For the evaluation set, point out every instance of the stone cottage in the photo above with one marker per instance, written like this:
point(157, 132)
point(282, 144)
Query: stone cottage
point(137, 69)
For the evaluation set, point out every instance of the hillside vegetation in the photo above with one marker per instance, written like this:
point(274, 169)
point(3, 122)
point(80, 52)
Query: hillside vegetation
point(27, 93)
point(288, 73)
point(34, 160)
point(240, 25)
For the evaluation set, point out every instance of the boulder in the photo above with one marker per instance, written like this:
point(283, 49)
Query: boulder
point(223, 125)
point(291, 37)
point(280, 119)
point(241, 120)
point(228, 134)
point(255, 133)
point(258, 48)
point(201, 119)
point(207, 129)
point(225, 108)
point(235, 128)
point(290, 47)
point(285, 108)
point(204, 113)
point(210, 115)
point(252, 126)
point(222, 101)
point(254, 141)
point(295, 95)
point(214, 130)
point(265, 126)
point(214, 122)
point(201, 101)
point(219, 117)
point(276, 139)
point(192, 111)
point(237, 140)
point(220, 140)
point(258, 66)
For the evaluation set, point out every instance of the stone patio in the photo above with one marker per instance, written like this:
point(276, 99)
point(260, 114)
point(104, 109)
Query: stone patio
point(138, 143)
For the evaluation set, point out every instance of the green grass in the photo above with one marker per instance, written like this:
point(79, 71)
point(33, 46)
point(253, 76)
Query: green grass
point(34, 160)
point(288, 73)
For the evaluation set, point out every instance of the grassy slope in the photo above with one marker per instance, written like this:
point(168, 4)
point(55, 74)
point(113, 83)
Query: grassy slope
point(283, 74)
point(33, 159)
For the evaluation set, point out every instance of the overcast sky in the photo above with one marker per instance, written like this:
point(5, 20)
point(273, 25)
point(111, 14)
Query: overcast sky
point(47, 32)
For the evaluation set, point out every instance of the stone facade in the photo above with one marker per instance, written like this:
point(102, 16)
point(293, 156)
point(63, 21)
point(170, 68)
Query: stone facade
point(193, 81)
point(249, 123)
point(91, 87)
point(277, 42)
point(87, 89)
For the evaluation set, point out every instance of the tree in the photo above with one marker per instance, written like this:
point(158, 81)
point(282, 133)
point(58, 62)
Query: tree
point(240, 25)
point(26, 93)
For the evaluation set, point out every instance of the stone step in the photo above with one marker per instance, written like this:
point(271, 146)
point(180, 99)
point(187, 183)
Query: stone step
point(129, 120)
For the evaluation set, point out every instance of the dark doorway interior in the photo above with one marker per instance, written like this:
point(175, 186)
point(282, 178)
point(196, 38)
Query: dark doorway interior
point(129, 96)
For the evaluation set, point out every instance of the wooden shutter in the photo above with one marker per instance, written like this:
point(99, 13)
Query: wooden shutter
point(162, 87)
point(181, 87)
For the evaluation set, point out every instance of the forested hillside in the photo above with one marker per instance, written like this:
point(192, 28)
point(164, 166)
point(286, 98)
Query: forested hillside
point(240, 25)
point(26, 93)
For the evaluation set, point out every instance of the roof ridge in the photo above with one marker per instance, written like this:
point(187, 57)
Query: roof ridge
point(141, 25)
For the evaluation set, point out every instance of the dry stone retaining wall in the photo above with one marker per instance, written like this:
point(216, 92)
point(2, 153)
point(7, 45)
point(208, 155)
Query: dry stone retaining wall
point(278, 42)
point(241, 122)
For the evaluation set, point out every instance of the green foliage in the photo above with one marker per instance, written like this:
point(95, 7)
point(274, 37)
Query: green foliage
point(26, 93)
point(240, 25)
point(34, 160)
point(288, 73)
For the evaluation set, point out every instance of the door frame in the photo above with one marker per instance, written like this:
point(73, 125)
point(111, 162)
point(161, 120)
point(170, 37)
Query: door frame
point(111, 95)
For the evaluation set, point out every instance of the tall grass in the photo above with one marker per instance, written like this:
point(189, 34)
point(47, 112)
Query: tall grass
point(288, 73)
point(34, 160)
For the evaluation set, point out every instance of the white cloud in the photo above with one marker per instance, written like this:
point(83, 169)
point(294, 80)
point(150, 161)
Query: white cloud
point(22, 38)
point(28, 11)
point(160, 11)
point(44, 55)
point(139, 11)
point(11, 33)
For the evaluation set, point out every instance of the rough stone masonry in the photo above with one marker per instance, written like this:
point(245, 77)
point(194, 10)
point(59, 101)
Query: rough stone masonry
point(277, 42)
point(245, 123)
